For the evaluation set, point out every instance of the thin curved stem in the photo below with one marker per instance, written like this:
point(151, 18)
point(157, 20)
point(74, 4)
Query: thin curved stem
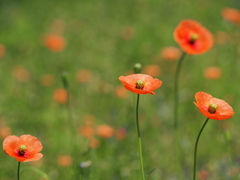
point(18, 171)
point(176, 99)
point(195, 149)
point(175, 118)
point(139, 140)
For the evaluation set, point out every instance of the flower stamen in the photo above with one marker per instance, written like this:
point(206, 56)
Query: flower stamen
point(212, 108)
point(22, 150)
point(139, 84)
point(193, 38)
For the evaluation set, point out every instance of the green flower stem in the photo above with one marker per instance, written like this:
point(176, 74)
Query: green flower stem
point(195, 149)
point(139, 140)
point(18, 171)
point(37, 171)
point(71, 123)
point(175, 118)
point(176, 99)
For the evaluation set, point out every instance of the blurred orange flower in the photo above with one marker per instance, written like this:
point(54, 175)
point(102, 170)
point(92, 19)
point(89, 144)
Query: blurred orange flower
point(140, 83)
point(231, 15)
point(213, 108)
point(55, 43)
point(94, 143)
point(87, 131)
point(203, 175)
point(212, 73)
point(20, 74)
point(105, 131)
point(47, 80)
point(24, 148)
point(5, 131)
point(221, 37)
point(127, 33)
point(64, 160)
point(120, 134)
point(121, 92)
point(193, 37)
point(84, 75)
point(171, 53)
point(152, 70)
point(60, 95)
point(2, 50)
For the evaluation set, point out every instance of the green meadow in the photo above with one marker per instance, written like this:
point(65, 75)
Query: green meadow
point(104, 39)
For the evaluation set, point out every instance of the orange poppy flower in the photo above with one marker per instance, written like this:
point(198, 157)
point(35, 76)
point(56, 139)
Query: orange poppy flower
point(171, 53)
point(2, 50)
point(212, 73)
point(213, 108)
point(152, 70)
point(60, 95)
point(105, 131)
point(231, 15)
point(140, 83)
point(193, 37)
point(55, 43)
point(64, 160)
point(24, 148)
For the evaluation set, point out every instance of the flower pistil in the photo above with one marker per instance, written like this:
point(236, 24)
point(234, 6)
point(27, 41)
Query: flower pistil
point(139, 84)
point(212, 108)
point(22, 150)
point(193, 38)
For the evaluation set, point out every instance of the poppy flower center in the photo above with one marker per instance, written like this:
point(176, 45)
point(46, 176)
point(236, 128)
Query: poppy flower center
point(139, 84)
point(193, 38)
point(22, 150)
point(212, 108)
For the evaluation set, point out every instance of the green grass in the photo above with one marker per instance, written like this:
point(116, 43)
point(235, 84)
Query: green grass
point(92, 31)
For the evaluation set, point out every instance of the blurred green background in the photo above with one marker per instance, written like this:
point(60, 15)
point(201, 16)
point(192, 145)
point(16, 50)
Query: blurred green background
point(106, 38)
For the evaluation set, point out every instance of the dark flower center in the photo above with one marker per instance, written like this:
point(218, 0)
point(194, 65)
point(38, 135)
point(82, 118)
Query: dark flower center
point(212, 108)
point(22, 150)
point(139, 84)
point(193, 38)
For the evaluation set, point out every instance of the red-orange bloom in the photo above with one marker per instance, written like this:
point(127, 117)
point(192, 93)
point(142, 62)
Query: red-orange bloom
point(213, 108)
point(55, 43)
point(231, 15)
point(24, 148)
point(140, 83)
point(193, 37)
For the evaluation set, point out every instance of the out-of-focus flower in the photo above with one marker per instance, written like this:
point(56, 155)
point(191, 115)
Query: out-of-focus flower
point(87, 131)
point(89, 119)
point(105, 131)
point(127, 33)
point(84, 75)
point(54, 42)
point(140, 83)
point(5, 131)
point(2, 50)
point(64, 160)
point(20, 74)
point(121, 92)
point(213, 108)
point(221, 37)
point(120, 134)
point(94, 143)
point(47, 80)
point(24, 148)
point(231, 15)
point(233, 171)
point(152, 70)
point(212, 73)
point(171, 53)
point(60, 95)
point(192, 37)
point(203, 175)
